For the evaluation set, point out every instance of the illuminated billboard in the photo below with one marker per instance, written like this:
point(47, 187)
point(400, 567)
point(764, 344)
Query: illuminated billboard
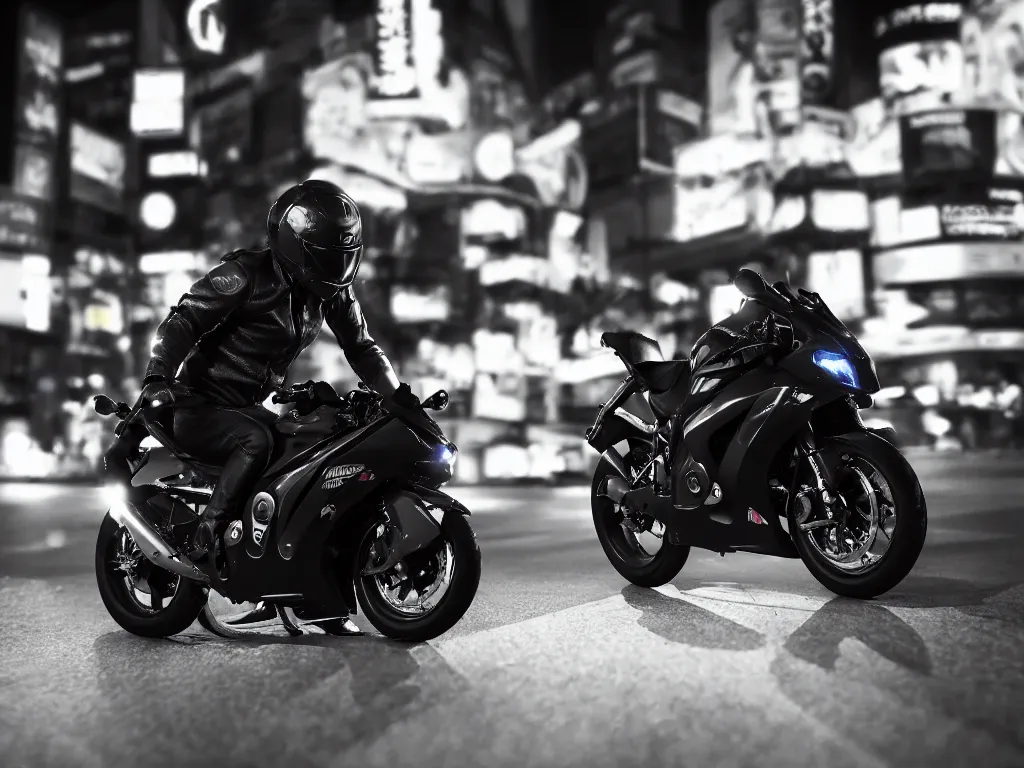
point(37, 118)
point(98, 166)
point(158, 102)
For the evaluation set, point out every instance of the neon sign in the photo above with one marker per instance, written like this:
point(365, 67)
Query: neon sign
point(394, 59)
point(205, 27)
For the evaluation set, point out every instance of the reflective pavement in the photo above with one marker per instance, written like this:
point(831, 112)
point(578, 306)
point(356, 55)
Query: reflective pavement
point(743, 661)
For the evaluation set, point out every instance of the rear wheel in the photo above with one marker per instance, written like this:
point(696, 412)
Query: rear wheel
point(142, 598)
point(635, 545)
point(426, 593)
point(871, 539)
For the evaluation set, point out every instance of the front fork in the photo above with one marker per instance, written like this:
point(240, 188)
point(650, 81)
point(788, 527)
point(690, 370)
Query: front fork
point(823, 493)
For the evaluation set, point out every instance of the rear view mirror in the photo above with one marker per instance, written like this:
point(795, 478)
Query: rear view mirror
point(104, 406)
point(437, 401)
point(750, 284)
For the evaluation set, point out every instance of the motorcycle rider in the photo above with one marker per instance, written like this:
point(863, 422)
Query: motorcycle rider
point(236, 331)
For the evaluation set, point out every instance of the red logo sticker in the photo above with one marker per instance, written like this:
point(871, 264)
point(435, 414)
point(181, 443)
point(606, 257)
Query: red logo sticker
point(365, 476)
point(755, 518)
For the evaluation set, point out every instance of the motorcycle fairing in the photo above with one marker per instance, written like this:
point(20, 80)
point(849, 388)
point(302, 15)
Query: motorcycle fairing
point(772, 409)
point(308, 516)
point(776, 417)
point(157, 464)
point(386, 452)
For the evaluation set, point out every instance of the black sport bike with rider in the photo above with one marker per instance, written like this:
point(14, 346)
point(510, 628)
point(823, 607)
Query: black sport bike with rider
point(236, 332)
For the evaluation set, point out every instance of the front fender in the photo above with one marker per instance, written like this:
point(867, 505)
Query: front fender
point(886, 433)
point(437, 498)
point(416, 528)
point(842, 417)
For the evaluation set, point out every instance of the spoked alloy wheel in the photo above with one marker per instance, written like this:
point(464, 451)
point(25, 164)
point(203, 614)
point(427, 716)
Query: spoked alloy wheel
point(416, 587)
point(147, 586)
point(425, 594)
point(634, 544)
point(142, 598)
point(877, 527)
point(868, 522)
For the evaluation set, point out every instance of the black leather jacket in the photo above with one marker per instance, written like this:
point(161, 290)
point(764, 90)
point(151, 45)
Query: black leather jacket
point(239, 328)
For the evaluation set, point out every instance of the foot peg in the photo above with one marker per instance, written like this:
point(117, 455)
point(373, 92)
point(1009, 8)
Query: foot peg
point(295, 624)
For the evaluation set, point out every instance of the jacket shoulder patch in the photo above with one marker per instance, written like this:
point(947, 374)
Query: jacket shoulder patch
point(228, 278)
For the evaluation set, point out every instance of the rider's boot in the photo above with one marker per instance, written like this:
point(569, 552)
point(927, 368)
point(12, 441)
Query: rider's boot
point(335, 622)
point(211, 529)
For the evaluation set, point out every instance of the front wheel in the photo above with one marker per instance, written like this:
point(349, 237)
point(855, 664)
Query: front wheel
point(426, 593)
point(873, 540)
point(634, 544)
point(142, 598)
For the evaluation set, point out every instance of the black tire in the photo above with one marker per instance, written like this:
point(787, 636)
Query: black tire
point(654, 571)
point(177, 616)
point(911, 521)
point(455, 528)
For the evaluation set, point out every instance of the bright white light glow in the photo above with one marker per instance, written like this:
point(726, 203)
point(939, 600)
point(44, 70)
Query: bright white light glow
point(494, 156)
point(927, 395)
point(205, 27)
point(161, 262)
point(114, 494)
point(724, 301)
point(180, 163)
point(158, 210)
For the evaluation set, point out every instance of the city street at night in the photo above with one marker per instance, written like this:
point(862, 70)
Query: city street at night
point(742, 661)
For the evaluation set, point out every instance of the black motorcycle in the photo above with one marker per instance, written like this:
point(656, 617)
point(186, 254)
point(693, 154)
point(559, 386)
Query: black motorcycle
point(757, 446)
point(348, 513)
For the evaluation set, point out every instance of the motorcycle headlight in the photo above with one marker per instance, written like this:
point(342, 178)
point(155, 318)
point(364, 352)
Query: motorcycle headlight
point(837, 366)
point(447, 454)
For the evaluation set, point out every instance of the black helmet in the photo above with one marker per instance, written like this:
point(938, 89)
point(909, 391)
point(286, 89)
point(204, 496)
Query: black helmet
point(316, 232)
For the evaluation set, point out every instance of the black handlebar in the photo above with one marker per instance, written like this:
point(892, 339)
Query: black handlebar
point(301, 393)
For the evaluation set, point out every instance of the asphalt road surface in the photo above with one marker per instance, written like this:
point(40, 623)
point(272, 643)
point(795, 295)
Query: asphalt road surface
point(743, 661)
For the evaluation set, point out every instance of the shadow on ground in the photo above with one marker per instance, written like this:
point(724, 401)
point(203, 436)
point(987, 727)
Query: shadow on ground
point(680, 621)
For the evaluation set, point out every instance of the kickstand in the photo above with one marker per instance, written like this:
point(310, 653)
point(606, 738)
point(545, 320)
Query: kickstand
point(289, 625)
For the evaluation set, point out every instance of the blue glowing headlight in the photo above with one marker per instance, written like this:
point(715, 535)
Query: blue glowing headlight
point(446, 454)
point(838, 367)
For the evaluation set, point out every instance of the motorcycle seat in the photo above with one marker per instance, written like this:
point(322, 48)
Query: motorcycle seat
point(662, 375)
point(633, 347)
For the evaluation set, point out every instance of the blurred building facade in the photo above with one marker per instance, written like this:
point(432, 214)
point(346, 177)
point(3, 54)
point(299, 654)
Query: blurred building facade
point(866, 150)
point(524, 189)
point(30, 132)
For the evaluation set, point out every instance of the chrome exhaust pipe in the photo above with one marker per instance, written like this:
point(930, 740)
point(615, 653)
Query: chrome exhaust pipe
point(152, 545)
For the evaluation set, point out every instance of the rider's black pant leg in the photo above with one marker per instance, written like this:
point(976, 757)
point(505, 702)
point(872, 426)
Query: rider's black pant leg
point(238, 440)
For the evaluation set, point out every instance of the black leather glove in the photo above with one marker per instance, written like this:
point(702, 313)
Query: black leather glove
point(404, 398)
point(157, 394)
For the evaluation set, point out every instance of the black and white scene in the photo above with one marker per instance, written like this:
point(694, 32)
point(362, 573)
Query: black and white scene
point(512, 383)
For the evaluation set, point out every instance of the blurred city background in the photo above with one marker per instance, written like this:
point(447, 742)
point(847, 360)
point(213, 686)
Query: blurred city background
point(531, 173)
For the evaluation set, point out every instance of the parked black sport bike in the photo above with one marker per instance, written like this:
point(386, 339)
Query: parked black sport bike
point(348, 509)
point(758, 446)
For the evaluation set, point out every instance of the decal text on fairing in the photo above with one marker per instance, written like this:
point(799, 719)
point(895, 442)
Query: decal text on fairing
point(335, 476)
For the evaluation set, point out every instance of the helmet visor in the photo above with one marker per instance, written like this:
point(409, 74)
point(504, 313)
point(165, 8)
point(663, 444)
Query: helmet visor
point(325, 271)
